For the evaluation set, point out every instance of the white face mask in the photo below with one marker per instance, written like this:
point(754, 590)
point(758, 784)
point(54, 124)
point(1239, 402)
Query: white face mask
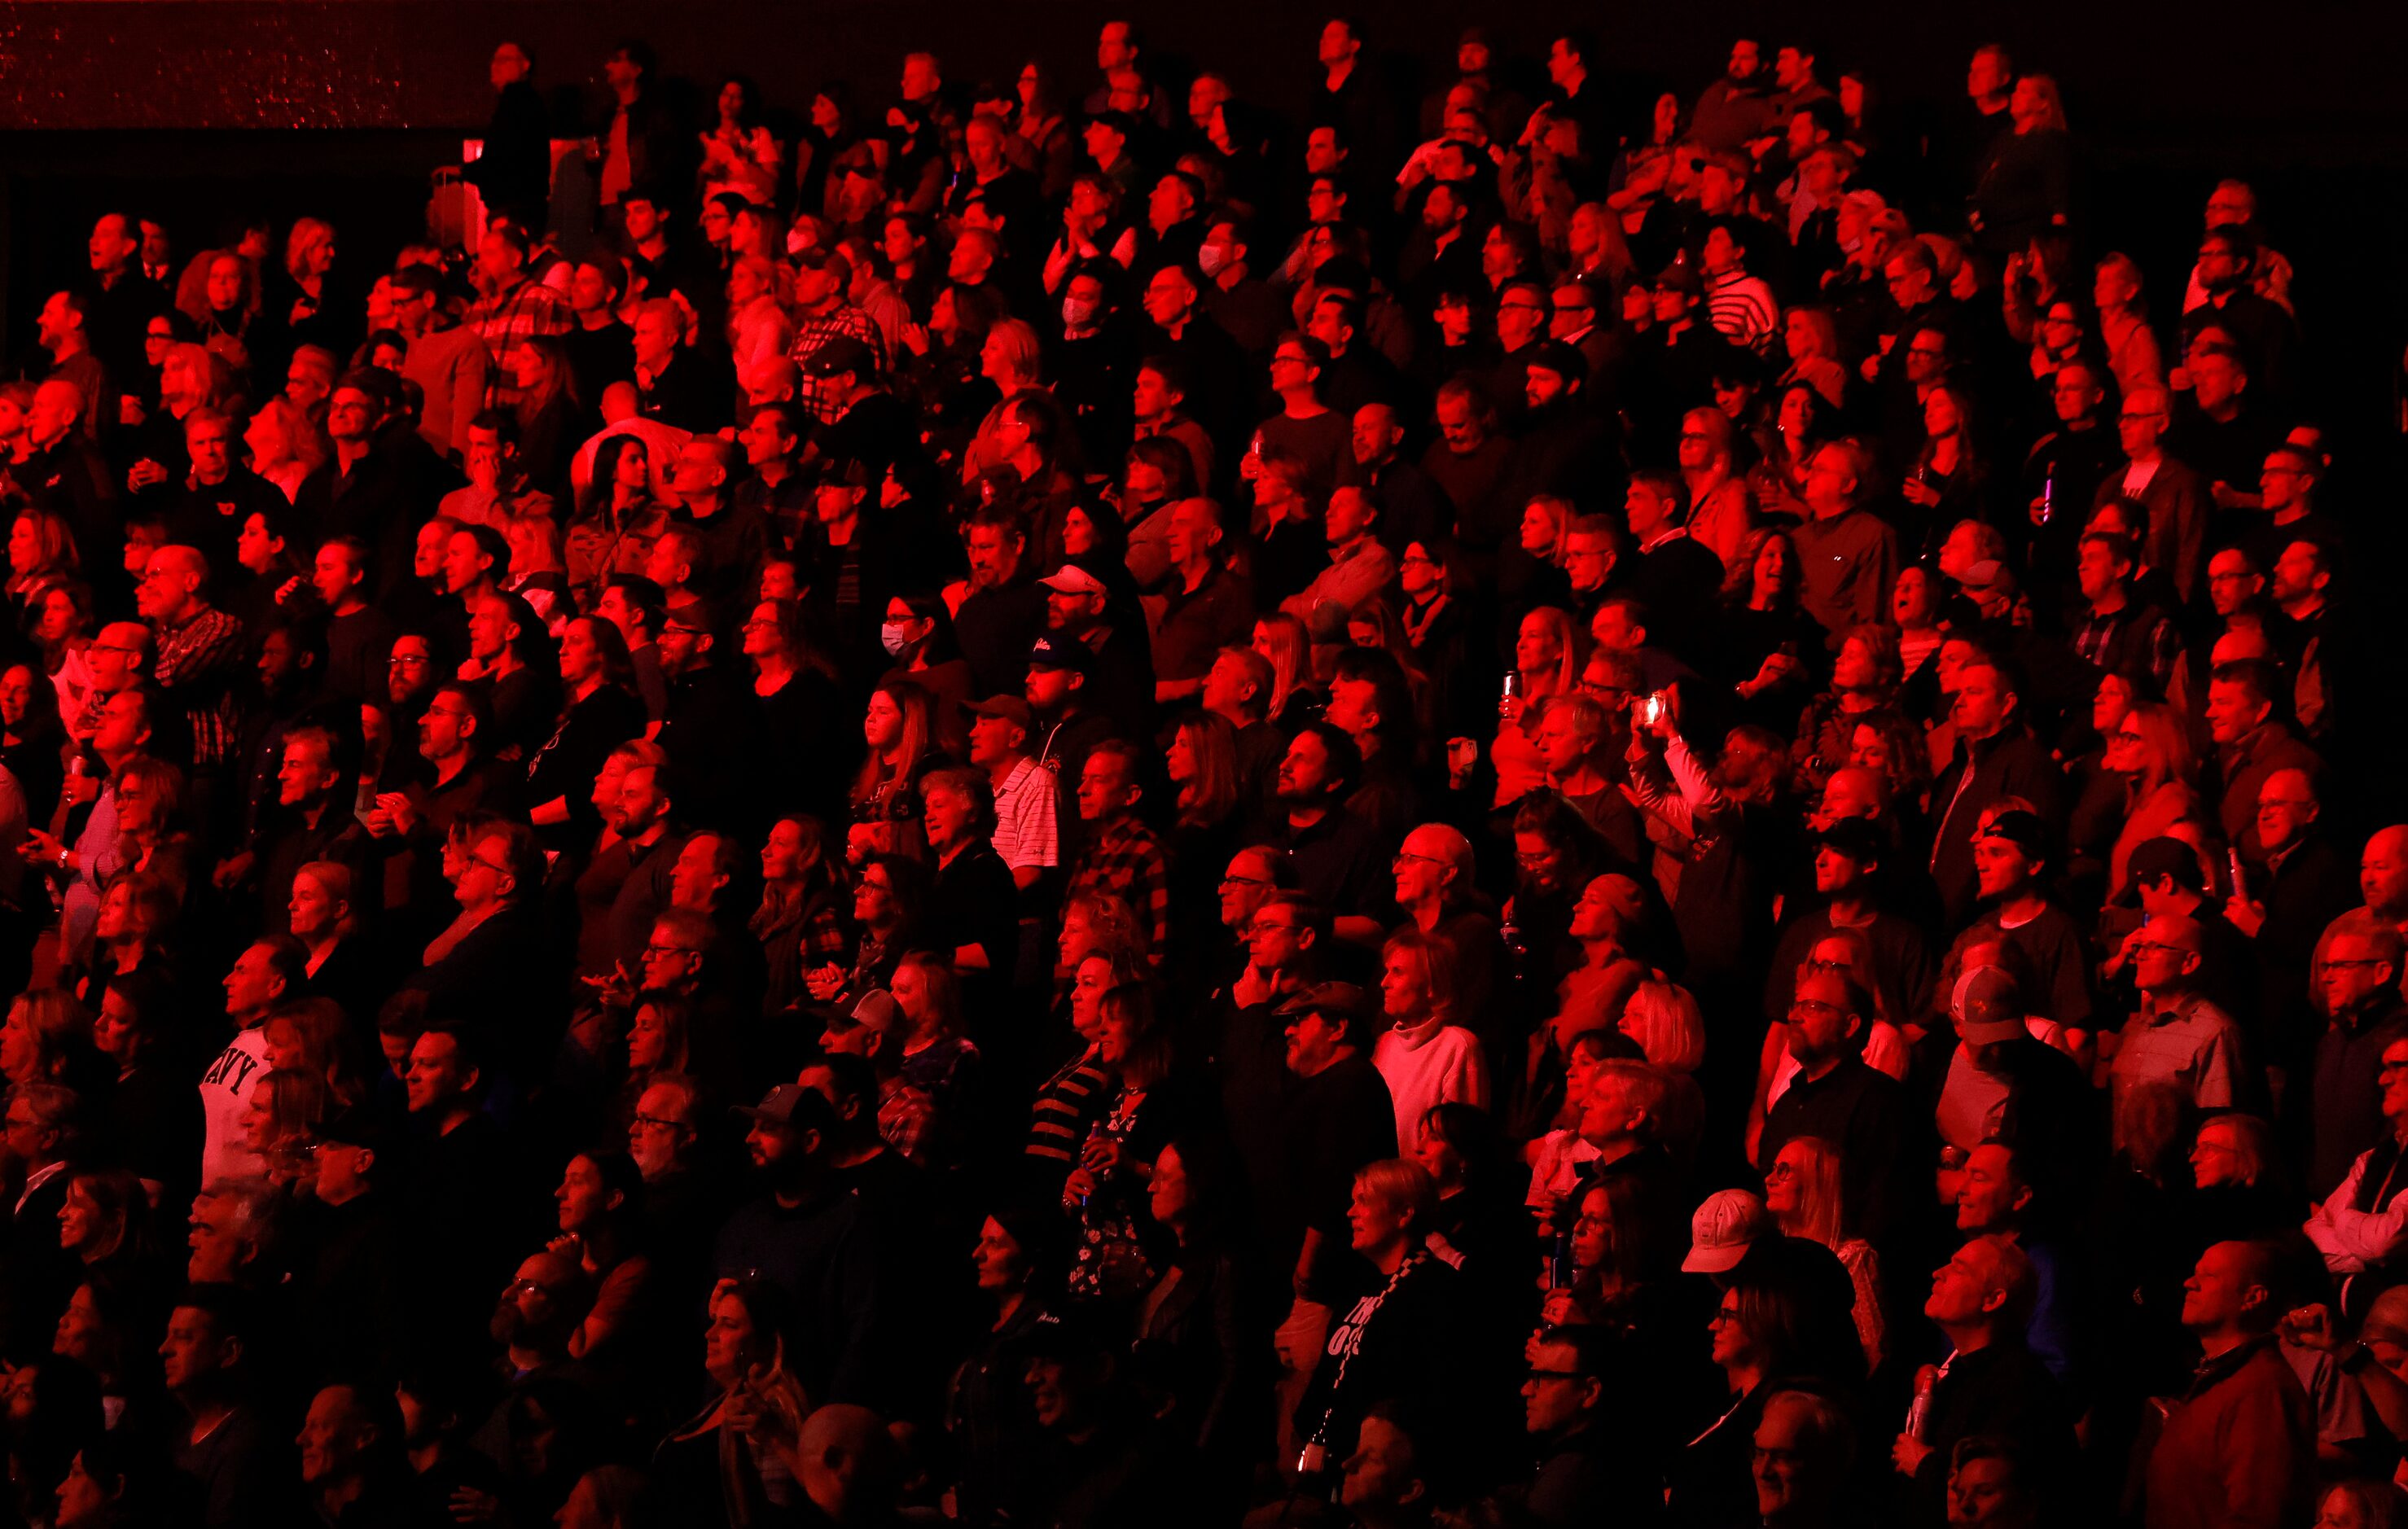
point(896, 636)
point(1213, 258)
point(1076, 313)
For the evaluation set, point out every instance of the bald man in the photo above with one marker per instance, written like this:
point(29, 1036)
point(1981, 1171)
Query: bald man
point(2239, 1446)
point(2285, 903)
point(734, 537)
point(66, 475)
point(2179, 1040)
point(1992, 1383)
point(847, 1465)
point(1433, 871)
point(1411, 507)
point(2383, 875)
point(2357, 983)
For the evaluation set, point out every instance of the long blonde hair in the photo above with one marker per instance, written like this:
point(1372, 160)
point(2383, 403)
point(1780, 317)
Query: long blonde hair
point(1290, 655)
point(1664, 1020)
point(1821, 1212)
point(1569, 656)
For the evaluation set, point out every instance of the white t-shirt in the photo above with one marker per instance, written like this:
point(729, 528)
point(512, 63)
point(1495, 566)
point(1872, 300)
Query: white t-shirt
point(225, 1099)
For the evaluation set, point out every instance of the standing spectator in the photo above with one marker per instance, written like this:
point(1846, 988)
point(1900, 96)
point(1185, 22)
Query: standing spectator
point(2238, 1446)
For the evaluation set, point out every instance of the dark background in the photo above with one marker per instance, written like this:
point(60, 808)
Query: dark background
point(337, 109)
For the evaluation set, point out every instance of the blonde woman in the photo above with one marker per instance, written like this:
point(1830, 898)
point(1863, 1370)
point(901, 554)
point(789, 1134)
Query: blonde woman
point(1547, 654)
point(1664, 1019)
point(1803, 1191)
point(1282, 640)
point(286, 446)
point(2151, 749)
point(1812, 338)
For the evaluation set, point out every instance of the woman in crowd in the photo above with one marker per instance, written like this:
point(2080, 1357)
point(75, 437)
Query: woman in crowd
point(899, 728)
point(659, 1045)
point(988, 1418)
point(2149, 754)
point(311, 1036)
point(217, 294)
point(286, 445)
point(47, 1039)
point(918, 634)
point(1547, 654)
point(1802, 1190)
point(1400, 1339)
point(618, 519)
point(1811, 341)
point(1865, 674)
point(801, 921)
point(1186, 1351)
point(41, 550)
point(1766, 646)
point(1107, 1186)
point(32, 737)
point(601, 1225)
point(600, 711)
point(1530, 573)
point(717, 1458)
point(280, 1126)
point(1948, 482)
point(890, 896)
point(1213, 815)
point(154, 1110)
point(938, 1069)
point(796, 682)
point(1296, 698)
point(1071, 1101)
point(1802, 424)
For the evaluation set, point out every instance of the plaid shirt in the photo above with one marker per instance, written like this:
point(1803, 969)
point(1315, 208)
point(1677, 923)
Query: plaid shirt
point(507, 322)
point(1126, 860)
point(810, 334)
point(197, 665)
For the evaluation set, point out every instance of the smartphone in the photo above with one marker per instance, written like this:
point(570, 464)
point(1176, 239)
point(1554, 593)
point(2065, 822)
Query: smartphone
point(1652, 708)
point(2240, 882)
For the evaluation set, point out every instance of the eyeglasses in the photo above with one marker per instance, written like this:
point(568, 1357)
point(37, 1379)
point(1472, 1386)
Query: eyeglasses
point(497, 870)
point(1244, 881)
point(656, 1122)
point(1781, 1172)
point(1811, 1006)
point(657, 947)
point(2146, 947)
point(1723, 1315)
point(1264, 927)
point(1404, 858)
point(2333, 964)
point(398, 661)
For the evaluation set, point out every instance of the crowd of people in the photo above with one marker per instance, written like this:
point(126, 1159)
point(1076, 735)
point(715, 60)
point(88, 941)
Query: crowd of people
point(1567, 804)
